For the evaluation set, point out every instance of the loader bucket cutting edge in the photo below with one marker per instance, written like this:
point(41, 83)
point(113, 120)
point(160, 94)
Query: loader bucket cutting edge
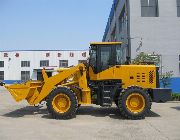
point(23, 91)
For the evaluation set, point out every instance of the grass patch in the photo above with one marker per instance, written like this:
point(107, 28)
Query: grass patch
point(176, 96)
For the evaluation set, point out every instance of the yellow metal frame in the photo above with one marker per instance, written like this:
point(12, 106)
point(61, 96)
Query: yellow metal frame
point(36, 91)
point(129, 74)
point(105, 43)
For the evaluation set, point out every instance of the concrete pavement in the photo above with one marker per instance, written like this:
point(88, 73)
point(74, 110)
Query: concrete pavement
point(19, 121)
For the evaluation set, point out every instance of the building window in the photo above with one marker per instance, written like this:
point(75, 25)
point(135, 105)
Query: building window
point(25, 75)
point(44, 63)
point(149, 8)
point(122, 20)
point(63, 63)
point(71, 54)
point(47, 54)
point(1, 75)
point(25, 63)
point(178, 8)
point(1, 63)
point(84, 54)
point(17, 54)
point(82, 61)
point(59, 54)
point(5, 54)
point(113, 34)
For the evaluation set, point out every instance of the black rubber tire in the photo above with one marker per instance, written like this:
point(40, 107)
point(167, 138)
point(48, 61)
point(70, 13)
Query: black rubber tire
point(116, 102)
point(122, 103)
point(73, 108)
point(74, 89)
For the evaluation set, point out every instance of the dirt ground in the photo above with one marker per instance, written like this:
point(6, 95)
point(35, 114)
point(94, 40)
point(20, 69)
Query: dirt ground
point(19, 121)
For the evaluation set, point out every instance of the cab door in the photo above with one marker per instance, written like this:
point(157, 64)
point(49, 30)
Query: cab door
point(106, 62)
point(102, 62)
point(105, 58)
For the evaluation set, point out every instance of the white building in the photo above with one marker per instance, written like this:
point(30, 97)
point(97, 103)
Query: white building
point(16, 66)
point(150, 26)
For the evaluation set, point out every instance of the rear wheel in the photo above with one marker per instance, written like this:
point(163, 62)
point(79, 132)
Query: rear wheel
point(134, 103)
point(62, 103)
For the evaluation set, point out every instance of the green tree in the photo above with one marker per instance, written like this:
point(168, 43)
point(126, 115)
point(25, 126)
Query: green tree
point(144, 58)
point(166, 78)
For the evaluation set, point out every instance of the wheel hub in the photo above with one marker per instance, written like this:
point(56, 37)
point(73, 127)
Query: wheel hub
point(135, 103)
point(61, 103)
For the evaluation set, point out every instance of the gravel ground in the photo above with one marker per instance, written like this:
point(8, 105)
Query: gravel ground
point(19, 121)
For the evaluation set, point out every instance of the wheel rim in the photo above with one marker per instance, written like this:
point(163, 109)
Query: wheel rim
point(61, 103)
point(135, 103)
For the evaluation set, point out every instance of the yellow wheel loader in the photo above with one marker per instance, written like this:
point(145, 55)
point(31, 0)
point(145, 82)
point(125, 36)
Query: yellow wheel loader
point(106, 79)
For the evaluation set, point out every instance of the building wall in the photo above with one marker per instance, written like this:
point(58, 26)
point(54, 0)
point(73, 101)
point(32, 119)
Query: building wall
point(12, 64)
point(113, 22)
point(113, 32)
point(159, 34)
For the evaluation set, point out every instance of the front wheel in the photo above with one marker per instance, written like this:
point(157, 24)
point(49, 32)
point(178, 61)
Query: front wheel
point(134, 103)
point(62, 103)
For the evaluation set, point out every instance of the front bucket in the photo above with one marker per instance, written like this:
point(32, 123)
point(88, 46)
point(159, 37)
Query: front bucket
point(23, 91)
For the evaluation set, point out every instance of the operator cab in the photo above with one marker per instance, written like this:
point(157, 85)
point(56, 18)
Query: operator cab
point(104, 55)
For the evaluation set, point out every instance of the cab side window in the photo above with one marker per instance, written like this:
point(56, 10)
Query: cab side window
point(119, 55)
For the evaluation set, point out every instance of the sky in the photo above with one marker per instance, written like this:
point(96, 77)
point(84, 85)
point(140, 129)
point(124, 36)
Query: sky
point(52, 24)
